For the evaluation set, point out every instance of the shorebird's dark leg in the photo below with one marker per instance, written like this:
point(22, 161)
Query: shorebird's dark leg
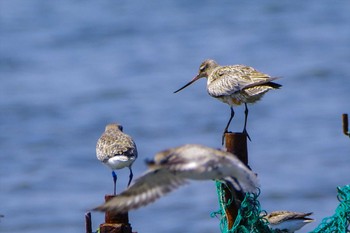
point(130, 176)
point(115, 182)
point(245, 121)
point(228, 124)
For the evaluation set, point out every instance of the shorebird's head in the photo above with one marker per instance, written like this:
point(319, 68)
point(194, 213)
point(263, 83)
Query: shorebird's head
point(205, 70)
point(114, 126)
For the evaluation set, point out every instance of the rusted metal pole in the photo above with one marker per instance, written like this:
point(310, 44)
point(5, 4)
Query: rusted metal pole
point(88, 225)
point(115, 222)
point(346, 124)
point(235, 143)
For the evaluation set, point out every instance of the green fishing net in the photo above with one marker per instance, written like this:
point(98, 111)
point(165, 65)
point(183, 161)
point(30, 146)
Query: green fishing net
point(250, 216)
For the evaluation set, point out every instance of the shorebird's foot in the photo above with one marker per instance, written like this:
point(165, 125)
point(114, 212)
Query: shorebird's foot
point(246, 133)
point(223, 137)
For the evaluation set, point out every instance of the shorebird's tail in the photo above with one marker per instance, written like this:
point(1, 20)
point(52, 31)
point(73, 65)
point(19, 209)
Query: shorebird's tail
point(257, 90)
point(266, 82)
point(274, 85)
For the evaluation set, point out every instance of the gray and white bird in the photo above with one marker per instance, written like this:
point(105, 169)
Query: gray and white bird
point(234, 85)
point(117, 150)
point(173, 168)
point(287, 221)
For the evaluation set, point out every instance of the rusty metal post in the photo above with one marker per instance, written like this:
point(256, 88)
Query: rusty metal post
point(235, 143)
point(88, 225)
point(115, 223)
point(346, 124)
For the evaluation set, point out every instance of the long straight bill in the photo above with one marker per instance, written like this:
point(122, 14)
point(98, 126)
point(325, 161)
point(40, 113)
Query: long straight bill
point(192, 81)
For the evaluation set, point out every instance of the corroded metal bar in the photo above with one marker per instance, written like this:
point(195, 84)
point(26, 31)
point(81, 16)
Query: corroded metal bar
point(115, 222)
point(88, 226)
point(235, 143)
point(346, 124)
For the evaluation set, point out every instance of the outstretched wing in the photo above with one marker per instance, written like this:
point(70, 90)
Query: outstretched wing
point(204, 163)
point(146, 189)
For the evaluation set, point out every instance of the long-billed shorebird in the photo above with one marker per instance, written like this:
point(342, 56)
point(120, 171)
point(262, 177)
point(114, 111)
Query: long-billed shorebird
point(117, 150)
point(234, 85)
point(174, 167)
point(287, 221)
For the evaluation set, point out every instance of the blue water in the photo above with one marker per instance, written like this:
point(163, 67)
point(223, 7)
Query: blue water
point(67, 68)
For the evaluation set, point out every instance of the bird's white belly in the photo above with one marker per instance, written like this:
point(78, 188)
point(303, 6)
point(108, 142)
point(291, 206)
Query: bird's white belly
point(290, 225)
point(119, 162)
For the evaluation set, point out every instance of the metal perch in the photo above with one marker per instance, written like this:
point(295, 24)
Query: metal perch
point(346, 125)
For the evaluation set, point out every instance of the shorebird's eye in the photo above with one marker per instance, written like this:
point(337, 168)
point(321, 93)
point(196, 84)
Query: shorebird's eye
point(202, 68)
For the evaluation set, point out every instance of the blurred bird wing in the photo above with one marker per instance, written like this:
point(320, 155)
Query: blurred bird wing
point(146, 189)
point(246, 178)
point(208, 163)
point(229, 165)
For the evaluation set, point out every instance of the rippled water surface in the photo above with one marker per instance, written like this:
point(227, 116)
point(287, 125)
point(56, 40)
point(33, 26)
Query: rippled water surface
point(67, 68)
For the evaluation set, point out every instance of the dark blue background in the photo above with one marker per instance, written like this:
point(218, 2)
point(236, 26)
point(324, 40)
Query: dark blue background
point(67, 68)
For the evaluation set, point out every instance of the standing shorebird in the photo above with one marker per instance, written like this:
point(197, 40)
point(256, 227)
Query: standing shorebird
point(287, 221)
point(174, 167)
point(116, 150)
point(234, 85)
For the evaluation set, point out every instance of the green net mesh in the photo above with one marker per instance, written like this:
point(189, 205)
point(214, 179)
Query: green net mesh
point(340, 221)
point(250, 216)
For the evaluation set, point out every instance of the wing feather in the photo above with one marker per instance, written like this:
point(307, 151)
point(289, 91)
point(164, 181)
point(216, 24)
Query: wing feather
point(146, 189)
point(232, 79)
point(246, 178)
point(208, 163)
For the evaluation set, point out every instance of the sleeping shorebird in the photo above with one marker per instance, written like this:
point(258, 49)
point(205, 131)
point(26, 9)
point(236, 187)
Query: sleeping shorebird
point(174, 167)
point(234, 85)
point(116, 150)
point(287, 221)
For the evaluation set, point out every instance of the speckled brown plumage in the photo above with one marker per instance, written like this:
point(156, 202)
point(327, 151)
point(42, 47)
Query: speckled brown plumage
point(234, 85)
point(116, 150)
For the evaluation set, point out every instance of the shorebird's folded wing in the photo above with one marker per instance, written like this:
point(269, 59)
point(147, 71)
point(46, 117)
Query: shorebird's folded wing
point(224, 86)
point(146, 189)
point(235, 80)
